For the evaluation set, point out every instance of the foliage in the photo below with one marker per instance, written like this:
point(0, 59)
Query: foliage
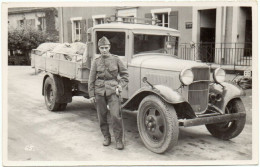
point(26, 39)
point(22, 40)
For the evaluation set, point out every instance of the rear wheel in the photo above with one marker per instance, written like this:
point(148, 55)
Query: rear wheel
point(157, 124)
point(229, 130)
point(62, 107)
point(50, 95)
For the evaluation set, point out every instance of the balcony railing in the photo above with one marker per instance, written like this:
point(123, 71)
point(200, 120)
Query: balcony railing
point(236, 54)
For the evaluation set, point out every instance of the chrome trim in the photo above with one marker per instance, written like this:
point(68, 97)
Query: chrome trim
point(201, 81)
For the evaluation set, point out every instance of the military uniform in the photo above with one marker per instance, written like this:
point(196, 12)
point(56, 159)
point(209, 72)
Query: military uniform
point(103, 81)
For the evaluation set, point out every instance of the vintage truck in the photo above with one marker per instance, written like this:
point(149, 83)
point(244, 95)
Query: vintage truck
point(166, 92)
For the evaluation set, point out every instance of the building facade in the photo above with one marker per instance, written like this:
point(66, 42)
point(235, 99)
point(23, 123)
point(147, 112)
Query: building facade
point(43, 19)
point(221, 35)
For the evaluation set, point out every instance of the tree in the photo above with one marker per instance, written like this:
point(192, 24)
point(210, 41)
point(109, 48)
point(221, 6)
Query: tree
point(24, 39)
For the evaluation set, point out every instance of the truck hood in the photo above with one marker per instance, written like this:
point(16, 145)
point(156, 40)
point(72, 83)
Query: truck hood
point(164, 62)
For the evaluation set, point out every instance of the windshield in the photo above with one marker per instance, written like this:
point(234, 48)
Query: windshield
point(155, 44)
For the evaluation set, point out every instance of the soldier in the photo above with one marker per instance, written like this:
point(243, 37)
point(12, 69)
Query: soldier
point(104, 89)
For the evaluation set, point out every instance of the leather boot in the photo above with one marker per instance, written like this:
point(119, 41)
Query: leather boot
point(107, 141)
point(119, 145)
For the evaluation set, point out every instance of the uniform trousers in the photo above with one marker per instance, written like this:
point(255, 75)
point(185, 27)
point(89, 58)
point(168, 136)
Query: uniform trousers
point(113, 102)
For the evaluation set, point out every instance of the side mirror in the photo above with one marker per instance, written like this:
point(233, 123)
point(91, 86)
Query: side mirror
point(144, 79)
point(169, 45)
point(192, 44)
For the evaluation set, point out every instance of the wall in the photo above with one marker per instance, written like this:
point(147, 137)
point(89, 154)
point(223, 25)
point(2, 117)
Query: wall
point(229, 17)
point(84, 12)
point(184, 15)
point(15, 17)
point(50, 15)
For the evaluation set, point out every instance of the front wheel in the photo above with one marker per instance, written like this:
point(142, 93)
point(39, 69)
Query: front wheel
point(157, 124)
point(229, 130)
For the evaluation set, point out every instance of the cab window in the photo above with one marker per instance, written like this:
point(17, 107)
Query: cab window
point(117, 41)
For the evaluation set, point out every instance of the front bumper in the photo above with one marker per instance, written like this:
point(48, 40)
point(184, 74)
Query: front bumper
point(211, 119)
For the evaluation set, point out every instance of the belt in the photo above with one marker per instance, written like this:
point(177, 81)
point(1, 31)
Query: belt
point(101, 78)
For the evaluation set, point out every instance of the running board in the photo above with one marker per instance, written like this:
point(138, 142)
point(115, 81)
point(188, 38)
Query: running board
point(211, 119)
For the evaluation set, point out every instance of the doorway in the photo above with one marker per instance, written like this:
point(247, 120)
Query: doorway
point(207, 35)
point(207, 44)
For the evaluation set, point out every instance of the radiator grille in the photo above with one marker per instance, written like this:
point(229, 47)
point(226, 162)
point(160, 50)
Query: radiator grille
point(198, 92)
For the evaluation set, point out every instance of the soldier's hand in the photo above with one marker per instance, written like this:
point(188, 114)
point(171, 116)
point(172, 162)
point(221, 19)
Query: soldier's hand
point(118, 90)
point(92, 100)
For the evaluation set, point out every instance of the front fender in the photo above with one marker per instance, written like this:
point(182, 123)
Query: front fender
point(228, 92)
point(169, 95)
point(166, 93)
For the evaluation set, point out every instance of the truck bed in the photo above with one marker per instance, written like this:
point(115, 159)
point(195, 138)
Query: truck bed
point(71, 66)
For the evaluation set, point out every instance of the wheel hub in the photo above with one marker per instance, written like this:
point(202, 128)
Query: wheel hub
point(151, 123)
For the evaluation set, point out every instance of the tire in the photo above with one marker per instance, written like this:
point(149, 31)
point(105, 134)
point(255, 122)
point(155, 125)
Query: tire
point(62, 106)
point(229, 130)
point(50, 94)
point(157, 124)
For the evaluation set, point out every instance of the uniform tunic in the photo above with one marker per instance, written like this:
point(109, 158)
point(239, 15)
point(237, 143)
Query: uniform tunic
point(104, 75)
point(107, 72)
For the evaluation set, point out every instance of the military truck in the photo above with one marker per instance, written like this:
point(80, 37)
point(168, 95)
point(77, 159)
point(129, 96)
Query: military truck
point(167, 92)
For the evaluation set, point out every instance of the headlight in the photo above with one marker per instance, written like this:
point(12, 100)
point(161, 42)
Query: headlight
point(186, 76)
point(219, 75)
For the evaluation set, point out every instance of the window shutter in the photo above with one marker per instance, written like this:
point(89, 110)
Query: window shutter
point(69, 26)
point(173, 18)
point(83, 35)
point(90, 23)
point(33, 23)
point(148, 16)
point(26, 23)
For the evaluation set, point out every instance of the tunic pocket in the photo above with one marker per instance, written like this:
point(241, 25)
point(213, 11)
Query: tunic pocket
point(113, 70)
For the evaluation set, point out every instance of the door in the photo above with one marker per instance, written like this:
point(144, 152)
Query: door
point(119, 46)
point(207, 44)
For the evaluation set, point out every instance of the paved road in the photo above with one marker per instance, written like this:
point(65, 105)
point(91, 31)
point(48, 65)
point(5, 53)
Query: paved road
point(35, 134)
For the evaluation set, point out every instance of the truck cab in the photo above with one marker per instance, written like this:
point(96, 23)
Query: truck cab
point(132, 41)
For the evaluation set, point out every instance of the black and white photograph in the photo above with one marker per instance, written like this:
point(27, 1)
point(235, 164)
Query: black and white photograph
point(130, 83)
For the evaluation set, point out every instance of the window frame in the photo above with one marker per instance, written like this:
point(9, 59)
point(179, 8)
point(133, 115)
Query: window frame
point(129, 12)
point(96, 17)
point(161, 11)
point(43, 23)
point(73, 27)
point(21, 23)
point(95, 40)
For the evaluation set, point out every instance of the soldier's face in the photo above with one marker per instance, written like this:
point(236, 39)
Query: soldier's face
point(104, 49)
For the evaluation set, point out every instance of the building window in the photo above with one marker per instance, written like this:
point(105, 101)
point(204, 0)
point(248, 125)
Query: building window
point(76, 29)
point(163, 19)
point(20, 23)
point(28, 23)
point(98, 19)
point(127, 12)
point(130, 19)
point(42, 23)
point(162, 15)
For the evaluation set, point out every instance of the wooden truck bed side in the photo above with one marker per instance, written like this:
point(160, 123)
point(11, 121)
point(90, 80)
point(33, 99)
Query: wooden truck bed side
point(57, 63)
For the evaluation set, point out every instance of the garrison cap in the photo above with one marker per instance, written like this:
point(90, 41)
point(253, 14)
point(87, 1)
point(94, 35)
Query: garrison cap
point(103, 41)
